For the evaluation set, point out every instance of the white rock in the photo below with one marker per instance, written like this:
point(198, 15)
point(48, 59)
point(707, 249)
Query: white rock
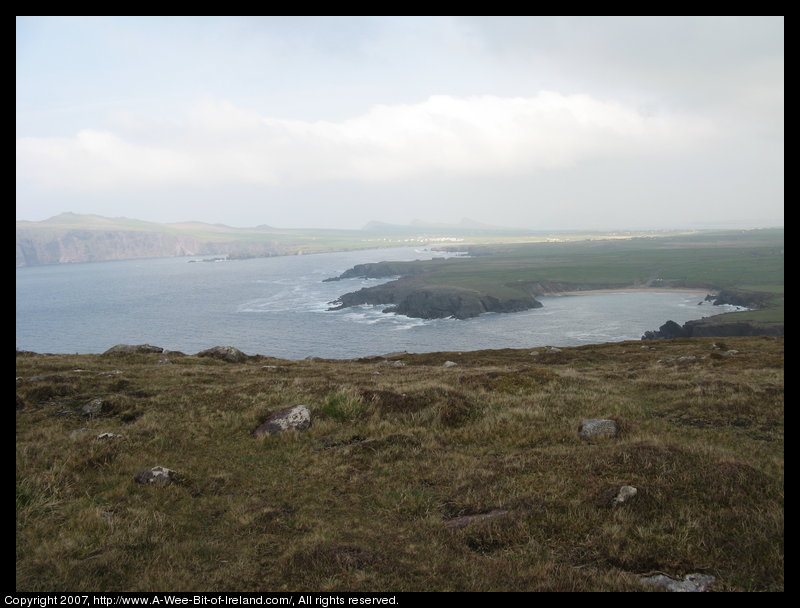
point(597, 427)
point(625, 494)
point(690, 583)
point(297, 417)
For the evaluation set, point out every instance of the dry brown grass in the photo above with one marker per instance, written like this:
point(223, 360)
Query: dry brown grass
point(360, 501)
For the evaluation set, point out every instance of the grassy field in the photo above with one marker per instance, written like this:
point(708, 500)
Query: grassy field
point(751, 260)
point(365, 499)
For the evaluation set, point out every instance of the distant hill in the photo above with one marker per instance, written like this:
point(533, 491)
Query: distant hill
point(72, 237)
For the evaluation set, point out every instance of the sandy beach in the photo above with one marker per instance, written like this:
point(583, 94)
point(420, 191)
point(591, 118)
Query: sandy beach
point(703, 292)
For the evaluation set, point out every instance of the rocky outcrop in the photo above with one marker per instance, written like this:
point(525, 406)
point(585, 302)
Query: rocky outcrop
point(740, 297)
point(231, 354)
point(412, 299)
point(127, 349)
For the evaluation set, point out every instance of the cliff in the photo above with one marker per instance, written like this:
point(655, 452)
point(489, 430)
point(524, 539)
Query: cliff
point(33, 248)
point(71, 237)
point(713, 327)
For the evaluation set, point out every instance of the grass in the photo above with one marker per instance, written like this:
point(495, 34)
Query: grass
point(713, 260)
point(360, 501)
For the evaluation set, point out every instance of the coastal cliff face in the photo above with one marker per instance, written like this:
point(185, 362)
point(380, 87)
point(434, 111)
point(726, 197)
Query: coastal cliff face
point(95, 245)
point(722, 327)
point(710, 327)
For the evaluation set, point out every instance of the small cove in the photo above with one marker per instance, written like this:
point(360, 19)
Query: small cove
point(279, 307)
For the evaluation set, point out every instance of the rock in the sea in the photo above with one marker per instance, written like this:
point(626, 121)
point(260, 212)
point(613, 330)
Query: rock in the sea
point(125, 349)
point(690, 583)
point(230, 354)
point(158, 475)
point(297, 417)
point(597, 427)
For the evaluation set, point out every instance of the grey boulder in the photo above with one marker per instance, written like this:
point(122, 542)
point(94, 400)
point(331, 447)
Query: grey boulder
point(297, 417)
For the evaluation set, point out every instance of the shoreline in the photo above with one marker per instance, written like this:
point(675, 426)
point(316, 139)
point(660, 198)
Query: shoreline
point(629, 290)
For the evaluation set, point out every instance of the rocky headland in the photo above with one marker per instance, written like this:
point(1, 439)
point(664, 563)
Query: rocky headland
point(412, 294)
point(413, 299)
point(720, 326)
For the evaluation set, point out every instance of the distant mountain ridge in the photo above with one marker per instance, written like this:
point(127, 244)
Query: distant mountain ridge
point(465, 225)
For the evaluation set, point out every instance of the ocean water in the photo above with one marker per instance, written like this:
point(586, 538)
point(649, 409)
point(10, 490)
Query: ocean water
point(278, 307)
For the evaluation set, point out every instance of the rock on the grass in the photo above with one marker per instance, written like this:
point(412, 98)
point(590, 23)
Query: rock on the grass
point(297, 417)
point(597, 427)
point(231, 354)
point(124, 349)
point(158, 475)
point(624, 494)
point(690, 583)
point(94, 407)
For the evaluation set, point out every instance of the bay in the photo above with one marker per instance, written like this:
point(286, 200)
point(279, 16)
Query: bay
point(278, 307)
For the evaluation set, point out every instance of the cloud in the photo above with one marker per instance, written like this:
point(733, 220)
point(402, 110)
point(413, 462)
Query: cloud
point(218, 143)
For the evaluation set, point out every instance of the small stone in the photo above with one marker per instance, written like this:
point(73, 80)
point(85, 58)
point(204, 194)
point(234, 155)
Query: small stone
point(95, 407)
point(625, 494)
point(450, 364)
point(109, 436)
point(158, 475)
point(597, 427)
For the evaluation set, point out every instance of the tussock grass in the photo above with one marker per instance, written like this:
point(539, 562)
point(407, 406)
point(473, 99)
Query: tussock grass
point(361, 500)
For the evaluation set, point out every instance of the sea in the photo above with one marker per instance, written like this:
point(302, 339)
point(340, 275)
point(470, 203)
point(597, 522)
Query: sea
point(279, 307)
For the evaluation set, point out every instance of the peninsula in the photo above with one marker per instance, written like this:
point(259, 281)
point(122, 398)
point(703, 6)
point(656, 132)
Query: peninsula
point(738, 267)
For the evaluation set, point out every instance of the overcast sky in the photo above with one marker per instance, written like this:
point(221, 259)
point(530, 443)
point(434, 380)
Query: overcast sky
point(330, 122)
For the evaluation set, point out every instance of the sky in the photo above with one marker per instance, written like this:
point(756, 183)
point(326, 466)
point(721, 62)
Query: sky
point(543, 123)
